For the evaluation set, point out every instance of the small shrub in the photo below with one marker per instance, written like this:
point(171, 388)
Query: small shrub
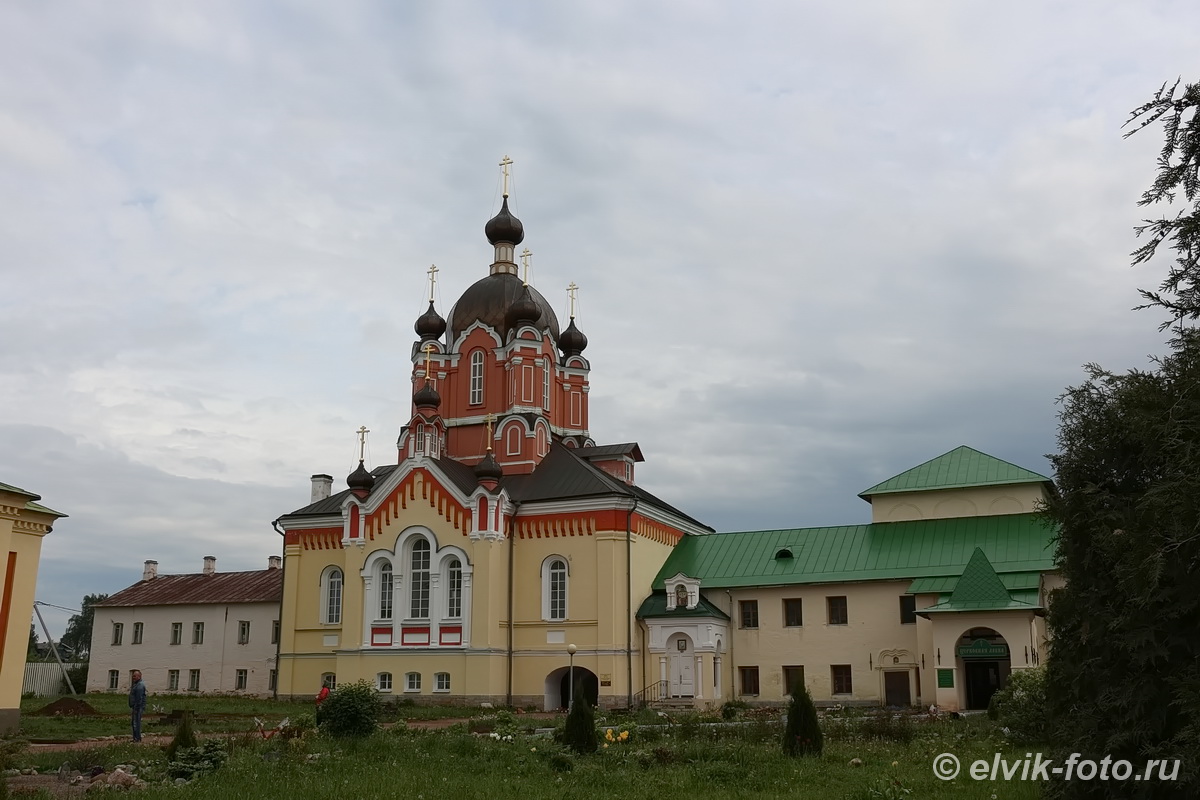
point(78, 675)
point(352, 711)
point(192, 762)
point(887, 727)
point(802, 735)
point(1021, 706)
point(579, 734)
point(185, 737)
point(731, 708)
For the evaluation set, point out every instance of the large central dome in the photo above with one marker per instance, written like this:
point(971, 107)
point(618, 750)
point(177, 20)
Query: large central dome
point(488, 301)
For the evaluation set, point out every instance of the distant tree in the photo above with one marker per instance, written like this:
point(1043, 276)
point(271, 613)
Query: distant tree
point(1123, 676)
point(32, 653)
point(77, 638)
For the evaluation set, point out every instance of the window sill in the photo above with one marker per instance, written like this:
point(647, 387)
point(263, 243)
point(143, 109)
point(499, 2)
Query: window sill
point(412, 691)
point(441, 691)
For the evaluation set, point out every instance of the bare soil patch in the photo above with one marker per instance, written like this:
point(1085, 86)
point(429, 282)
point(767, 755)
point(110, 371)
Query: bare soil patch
point(67, 707)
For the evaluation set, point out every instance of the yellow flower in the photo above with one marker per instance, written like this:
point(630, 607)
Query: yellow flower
point(624, 735)
point(608, 734)
point(606, 744)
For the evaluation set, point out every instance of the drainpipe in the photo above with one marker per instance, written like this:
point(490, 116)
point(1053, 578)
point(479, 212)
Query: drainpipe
point(282, 585)
point(512, 540)
point(732, 662)
point(629, 603)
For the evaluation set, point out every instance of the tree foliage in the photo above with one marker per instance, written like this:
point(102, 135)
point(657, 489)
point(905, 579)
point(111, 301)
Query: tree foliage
point(351, 711)
point(579, 733)
point(32, 653)
point(1123, 677)
point(1178, 178)
point(77, 639)
point(802, 734)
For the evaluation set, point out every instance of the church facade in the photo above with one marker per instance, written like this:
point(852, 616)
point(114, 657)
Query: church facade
point(505, 550)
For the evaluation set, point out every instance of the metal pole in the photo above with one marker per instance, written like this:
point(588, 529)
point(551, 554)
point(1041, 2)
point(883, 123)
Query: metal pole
point(54, 649)
point(571, 685)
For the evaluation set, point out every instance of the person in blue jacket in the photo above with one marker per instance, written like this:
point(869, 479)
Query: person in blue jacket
point(137, 703)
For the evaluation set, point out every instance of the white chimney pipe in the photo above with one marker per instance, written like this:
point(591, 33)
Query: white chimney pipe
point(150, 570)
point(274, 562)
point(210, 565)
point(322, 487)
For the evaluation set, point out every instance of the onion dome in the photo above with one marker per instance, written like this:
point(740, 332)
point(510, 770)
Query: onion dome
point(523, 312)
point(572, 342)
point(488, 301)
point(430, 325)
point(489, 468)
point(504, 227)
point(427, 397)
point(360, 478)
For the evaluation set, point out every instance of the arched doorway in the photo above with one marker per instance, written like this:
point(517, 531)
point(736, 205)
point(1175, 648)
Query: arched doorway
point(681, 665)
point(558, 687)
point(984, 662)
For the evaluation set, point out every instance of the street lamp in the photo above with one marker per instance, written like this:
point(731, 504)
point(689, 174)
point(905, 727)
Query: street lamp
point(571, 678)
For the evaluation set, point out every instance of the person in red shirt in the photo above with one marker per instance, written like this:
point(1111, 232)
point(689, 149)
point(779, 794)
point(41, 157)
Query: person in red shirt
point(321, 695)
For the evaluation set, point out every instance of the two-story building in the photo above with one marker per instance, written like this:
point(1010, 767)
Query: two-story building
point(204, 632)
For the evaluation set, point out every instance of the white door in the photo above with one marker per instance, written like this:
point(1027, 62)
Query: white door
point(683, 662)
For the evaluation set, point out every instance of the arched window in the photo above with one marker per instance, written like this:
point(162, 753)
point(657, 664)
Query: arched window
point(512, 438)
point(386, 585)
point(331, 605)
point(420, 438)
point(454, 589)
point(554, 589)
point(546, 384)
point(476, 397)
point(419, 578)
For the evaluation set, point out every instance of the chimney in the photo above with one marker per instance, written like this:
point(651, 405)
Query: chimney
point(322, 487)
point(150, 571)
point(274, 562)
point(210, 565)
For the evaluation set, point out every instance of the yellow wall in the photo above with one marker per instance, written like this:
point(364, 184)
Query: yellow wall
point(1021, 498)
point(21, 532)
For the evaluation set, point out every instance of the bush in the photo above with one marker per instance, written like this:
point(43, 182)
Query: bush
point(888, 727)
point(185, 737)
point(802, 735)
point(580, 731)
point(1021, 706)
point(731, 708)
point(352, 711)
point(78, 675)
point(192, 762)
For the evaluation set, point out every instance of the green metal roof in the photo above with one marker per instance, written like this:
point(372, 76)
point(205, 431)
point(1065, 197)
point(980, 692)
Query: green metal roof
point(878, 551)
point(962, 467)
point(945, 584)
point(30, 505)
point(979, 589)
point(656, 606)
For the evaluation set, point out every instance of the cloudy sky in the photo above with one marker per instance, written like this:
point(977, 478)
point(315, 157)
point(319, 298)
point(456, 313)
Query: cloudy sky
point(818, 243)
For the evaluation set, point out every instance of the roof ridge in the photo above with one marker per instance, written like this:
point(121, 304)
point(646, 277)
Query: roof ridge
point(960, 467)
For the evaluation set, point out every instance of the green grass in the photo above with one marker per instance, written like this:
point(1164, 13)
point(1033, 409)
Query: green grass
point(690, 760)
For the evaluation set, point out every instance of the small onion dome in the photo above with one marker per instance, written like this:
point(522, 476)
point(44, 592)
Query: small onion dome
point(488, 468)
point(430, 325)
point(572, 341)
point(504, 227)
point(525, 311)
point(360, 478)
point(427, 397)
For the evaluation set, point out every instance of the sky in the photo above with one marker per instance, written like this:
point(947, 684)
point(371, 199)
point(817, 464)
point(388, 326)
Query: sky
point(816, 243)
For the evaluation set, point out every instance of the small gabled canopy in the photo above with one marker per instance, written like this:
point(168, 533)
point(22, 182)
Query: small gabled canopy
point(979, 589)
point(605, 452)
point(961, 468)
point(655, 606)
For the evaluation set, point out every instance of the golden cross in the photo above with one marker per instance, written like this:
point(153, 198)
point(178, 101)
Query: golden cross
point(505, 163)
point(572, 290)
point(526, 254)
point(489, 419)
point(428, 356)
point(432, 272)
point(362, 441)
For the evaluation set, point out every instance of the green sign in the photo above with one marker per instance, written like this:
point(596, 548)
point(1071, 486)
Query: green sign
point(945, 679)
point(982, 648)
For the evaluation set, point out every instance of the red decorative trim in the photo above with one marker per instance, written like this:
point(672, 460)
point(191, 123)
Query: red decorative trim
point(450, 635)
point(414, 637)
point(381, 637)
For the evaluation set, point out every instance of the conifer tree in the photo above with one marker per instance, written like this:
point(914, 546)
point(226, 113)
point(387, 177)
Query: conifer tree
point(580, 731)
point(802, 735)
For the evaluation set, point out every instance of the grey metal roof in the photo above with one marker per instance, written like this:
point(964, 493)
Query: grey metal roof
point(610, 450)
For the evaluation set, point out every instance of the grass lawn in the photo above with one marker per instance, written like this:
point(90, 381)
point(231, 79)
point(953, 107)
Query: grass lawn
point(687, 759)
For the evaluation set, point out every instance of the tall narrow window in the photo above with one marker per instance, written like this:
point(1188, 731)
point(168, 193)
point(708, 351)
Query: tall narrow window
point(244, 632)
point(193, 680)
point(558, 589)
point(386, 586)
point(172, 680)
point(138, 627)
point(454, 589)
point(420, 438)
point(118, 629)
point(272, 680)
point(546, 385)
point(275, 632)
point(176, 633)
point(114, 679)
point(476, 378)
point(197, 633)
point(241, 678)
point(838, 612)
point(419, 575)
point(333, 597)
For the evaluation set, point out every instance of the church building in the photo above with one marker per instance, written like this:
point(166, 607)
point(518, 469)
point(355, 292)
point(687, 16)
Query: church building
point(506, 547)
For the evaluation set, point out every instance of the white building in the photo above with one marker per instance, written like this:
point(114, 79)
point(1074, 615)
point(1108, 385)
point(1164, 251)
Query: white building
point(206, 632)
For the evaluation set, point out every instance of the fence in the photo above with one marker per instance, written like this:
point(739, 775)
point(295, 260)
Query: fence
point(45, 679)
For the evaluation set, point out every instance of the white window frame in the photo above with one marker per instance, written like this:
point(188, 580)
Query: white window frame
point(441, 681)
point(419, 578)
point(454, 588)
point(241, 679)
point(272, 681)
point(555, 609)
point(114, 680)
point(333, 582)
point(412, 682)
point(176, 633)
point(172, 680)
point(193, 680)
point(243, 631)
point(383, 682)
point(118, 632)
point(139, 629)
point(546, 367)
point(331, 677)
point(386, 607)
point(197, 633)
point(476, 394)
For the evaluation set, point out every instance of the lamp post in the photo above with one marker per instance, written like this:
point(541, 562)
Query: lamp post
point(571, 678)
